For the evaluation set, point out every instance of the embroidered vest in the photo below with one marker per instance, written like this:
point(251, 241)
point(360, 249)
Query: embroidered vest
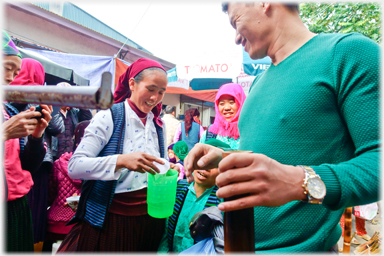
point(97, 195)
point(181, 193)
point(193, 134)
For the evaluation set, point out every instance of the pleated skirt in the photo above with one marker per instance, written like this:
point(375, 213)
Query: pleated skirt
point(19, 232)
point(120, 234)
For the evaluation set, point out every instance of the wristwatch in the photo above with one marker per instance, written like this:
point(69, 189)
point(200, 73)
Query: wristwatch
point(313, 186)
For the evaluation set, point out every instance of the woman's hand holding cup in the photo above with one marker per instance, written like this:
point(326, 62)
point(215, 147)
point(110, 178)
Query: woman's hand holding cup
point(138, 162)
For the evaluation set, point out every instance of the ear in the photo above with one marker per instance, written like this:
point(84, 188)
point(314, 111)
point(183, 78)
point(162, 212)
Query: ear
point(131, 84)
point(266, 6)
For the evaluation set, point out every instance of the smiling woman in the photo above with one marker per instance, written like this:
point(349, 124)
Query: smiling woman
point(228, 103)
point(119, 147)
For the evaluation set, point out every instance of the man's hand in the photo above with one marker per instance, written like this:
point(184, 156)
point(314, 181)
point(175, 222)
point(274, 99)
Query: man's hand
point(64, 111)
point(201, 157)
point(42, 122)
point(20, 125)
point(66, 204)
point(265, 181)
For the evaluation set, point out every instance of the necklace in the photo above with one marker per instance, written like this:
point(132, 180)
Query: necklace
point(143, 118)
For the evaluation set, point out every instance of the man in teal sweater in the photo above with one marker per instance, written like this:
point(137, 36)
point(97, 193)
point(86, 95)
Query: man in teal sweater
point(312, 121)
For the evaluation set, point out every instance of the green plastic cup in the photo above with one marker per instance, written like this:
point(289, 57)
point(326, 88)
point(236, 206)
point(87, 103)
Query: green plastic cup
point(161, 194)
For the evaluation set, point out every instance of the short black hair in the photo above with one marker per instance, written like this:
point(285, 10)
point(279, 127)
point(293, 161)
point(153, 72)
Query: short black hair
point(291, 6)
point(169, 109)
point(224, 7)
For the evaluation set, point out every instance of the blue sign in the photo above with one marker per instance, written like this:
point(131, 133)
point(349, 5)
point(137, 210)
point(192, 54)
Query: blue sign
point(254, 67)
point(198, 84)
point(172, 75)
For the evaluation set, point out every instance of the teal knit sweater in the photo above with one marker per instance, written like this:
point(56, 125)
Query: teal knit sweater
point(318, 107)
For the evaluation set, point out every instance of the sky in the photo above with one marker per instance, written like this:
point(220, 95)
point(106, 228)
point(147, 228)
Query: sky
point(174, 31)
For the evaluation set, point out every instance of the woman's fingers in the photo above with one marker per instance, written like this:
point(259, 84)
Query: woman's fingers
point(29, 114)
point(149, 166)
point(149, 169)
point(152, 158)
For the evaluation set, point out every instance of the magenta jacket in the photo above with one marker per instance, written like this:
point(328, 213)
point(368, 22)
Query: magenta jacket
point(61, 186)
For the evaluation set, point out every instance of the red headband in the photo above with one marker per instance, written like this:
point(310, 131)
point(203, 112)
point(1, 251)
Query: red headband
point(122, 91)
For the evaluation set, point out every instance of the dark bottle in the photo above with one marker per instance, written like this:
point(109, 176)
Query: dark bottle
point(239, 226)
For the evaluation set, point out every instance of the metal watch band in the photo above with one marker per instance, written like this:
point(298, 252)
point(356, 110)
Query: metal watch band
point(309, 173)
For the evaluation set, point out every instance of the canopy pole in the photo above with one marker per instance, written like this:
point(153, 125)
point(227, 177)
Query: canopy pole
point(202, 112)
point(91, 97)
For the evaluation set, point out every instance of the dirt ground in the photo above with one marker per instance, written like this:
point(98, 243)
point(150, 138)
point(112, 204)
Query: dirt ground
point(370, 226)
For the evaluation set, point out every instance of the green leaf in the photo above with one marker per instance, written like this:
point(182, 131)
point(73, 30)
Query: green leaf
point(347, 30)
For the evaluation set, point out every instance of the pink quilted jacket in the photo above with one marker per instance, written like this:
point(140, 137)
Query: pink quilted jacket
point(61, 186)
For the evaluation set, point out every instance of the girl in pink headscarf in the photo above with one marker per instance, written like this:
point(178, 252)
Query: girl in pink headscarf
point(228, 103)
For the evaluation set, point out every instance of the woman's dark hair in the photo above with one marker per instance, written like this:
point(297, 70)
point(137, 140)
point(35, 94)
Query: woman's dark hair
point(140, 76)
point(189, 114)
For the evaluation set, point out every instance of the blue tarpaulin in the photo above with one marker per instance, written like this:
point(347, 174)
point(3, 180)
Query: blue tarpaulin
point(254, 67)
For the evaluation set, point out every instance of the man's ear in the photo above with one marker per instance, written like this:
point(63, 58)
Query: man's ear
point(266, 6)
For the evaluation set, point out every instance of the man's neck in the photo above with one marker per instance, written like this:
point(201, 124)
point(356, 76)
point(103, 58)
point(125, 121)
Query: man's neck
point(290, 35)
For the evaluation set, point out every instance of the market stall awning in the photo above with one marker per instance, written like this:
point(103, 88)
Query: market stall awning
point(55, 72)
point(205, 95)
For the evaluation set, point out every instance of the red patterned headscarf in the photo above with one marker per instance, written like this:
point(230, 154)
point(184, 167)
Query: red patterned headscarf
point(31, 73)
point(123, 92)
point(221, 126)
point(189, 114)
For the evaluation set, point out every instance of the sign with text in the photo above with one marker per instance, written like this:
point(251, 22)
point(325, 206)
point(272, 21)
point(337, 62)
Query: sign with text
point(254, 67)
point(211, 65)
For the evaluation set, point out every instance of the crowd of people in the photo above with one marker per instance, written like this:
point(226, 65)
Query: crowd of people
point(311, 123)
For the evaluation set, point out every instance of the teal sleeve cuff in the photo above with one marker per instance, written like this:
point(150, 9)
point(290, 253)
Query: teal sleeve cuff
point(332, 185)
point(226, 149)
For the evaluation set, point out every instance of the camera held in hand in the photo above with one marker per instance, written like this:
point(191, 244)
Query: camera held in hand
point(39, 109)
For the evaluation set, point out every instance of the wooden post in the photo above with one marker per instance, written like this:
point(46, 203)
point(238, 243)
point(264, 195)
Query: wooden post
point(347, 230)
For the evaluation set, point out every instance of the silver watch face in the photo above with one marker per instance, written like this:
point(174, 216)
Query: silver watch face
point(316, 188)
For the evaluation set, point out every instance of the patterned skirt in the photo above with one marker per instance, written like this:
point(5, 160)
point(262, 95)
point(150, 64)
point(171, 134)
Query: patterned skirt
point(120, 234)
point(19, 232)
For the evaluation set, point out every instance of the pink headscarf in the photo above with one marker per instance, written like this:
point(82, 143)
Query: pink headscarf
point(228, 128)
point(31, 73)
point(123, 92)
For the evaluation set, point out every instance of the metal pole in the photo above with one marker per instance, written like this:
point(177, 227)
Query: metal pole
point(88, 97)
